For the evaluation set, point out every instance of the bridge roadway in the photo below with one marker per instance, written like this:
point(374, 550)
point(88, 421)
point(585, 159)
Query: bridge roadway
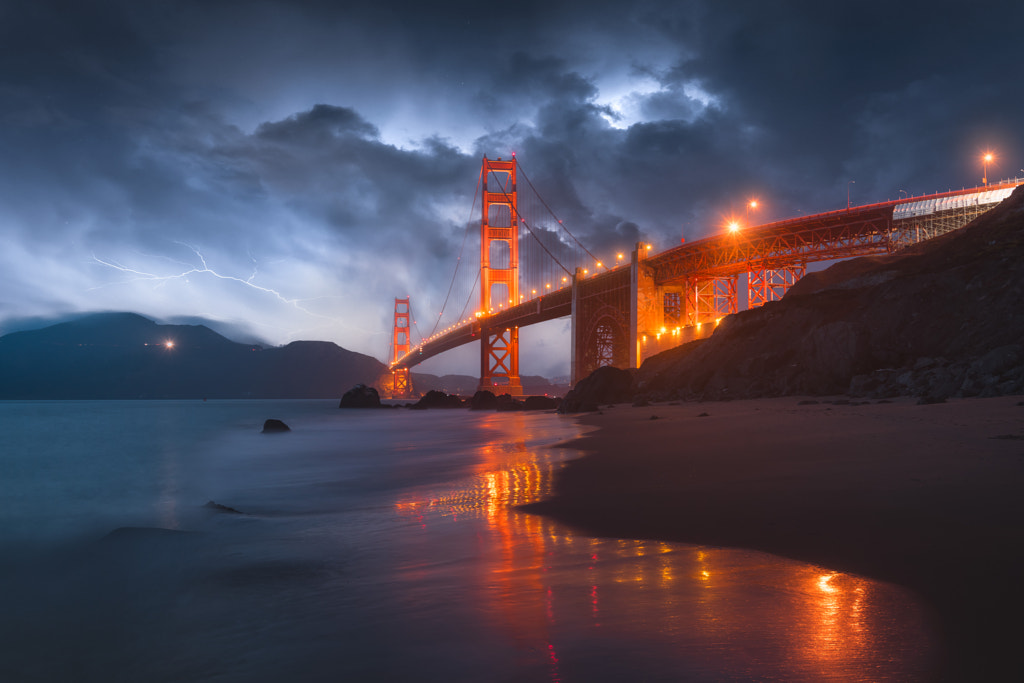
point(839, 234)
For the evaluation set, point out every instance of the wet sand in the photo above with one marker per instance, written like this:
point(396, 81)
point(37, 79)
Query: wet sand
point(925, 496)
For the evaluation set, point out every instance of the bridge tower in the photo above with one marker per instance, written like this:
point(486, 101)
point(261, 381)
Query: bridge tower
point(401, 342)
point(499, 276)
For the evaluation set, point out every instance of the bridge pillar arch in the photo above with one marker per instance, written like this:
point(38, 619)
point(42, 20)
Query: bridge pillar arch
point(499, 270)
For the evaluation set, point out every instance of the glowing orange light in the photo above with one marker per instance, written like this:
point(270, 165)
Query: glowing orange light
point(988, 158)
point(599, 264)
point(169, 343)
point(734, 226)
point(649, 247)
point(753, 203)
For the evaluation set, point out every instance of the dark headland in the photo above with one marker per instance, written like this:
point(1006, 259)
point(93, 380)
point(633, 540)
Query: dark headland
point(871, 422)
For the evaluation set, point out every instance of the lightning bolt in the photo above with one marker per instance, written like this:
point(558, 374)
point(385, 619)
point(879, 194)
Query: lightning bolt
point(203, 268)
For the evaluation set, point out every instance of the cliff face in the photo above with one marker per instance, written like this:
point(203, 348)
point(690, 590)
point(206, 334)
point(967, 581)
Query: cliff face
point(942, 318)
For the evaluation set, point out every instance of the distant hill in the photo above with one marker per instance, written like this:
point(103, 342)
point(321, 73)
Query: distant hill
point(127, 356)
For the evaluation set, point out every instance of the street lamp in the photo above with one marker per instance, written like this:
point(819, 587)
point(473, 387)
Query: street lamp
point(848, 193)
point(752, 204)
point(734, 226)
point(985, 160)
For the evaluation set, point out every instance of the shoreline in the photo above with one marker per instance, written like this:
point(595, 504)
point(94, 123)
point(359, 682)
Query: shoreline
point(927, 497)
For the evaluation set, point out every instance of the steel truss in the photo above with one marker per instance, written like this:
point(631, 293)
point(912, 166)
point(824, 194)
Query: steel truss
point(710, 298)
point(771, 284)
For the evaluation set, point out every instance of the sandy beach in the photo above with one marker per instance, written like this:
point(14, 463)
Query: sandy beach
point(925, 496)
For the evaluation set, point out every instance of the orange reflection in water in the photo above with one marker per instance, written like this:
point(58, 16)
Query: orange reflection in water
point(735, 612)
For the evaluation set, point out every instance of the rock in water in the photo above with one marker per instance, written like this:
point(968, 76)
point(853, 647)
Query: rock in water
point(273, 426)
point(217, 507)
point(360, 396)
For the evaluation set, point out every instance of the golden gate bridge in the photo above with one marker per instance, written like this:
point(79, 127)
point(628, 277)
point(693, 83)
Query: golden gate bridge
point(532, 269)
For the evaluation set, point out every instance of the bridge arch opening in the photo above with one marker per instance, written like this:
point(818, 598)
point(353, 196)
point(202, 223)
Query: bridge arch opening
point(606, 342)
point(499, 216)
point(500, 254)
point(500, 295)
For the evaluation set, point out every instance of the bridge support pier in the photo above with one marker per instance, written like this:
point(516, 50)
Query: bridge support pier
point(499, 361)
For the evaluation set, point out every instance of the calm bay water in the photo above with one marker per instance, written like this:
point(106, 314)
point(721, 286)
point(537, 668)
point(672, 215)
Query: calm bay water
point(379, 546)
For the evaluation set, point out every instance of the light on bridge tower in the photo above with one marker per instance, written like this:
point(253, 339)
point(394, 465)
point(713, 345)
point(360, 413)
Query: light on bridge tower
point(401, 344)
point(499, 269)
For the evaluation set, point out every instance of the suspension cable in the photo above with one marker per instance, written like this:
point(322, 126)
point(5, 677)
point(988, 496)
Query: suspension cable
point(458, 261)
point(470, 297)
point(567, 231)
point(527, 225)
point(416, 327)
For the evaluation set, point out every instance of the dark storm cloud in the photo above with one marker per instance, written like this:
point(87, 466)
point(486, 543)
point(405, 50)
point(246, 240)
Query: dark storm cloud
point(321, 156)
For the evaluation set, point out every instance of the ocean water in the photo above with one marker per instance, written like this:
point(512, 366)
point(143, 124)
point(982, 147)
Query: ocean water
point(380, 546)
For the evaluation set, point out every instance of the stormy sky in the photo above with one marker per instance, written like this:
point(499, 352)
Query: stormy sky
point(288, 168)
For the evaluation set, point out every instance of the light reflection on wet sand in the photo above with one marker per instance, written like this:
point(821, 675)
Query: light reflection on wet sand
point(577, 606)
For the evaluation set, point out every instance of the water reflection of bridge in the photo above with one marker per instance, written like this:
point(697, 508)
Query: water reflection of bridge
point(563, 597)
point(533, 270)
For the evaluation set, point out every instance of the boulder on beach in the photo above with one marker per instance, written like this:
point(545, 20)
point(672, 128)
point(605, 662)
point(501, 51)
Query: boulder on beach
point(604, 385)
point(483, 400)
point(437, 399)
point(360, 396)
point(273, 426)
point(540, 403)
